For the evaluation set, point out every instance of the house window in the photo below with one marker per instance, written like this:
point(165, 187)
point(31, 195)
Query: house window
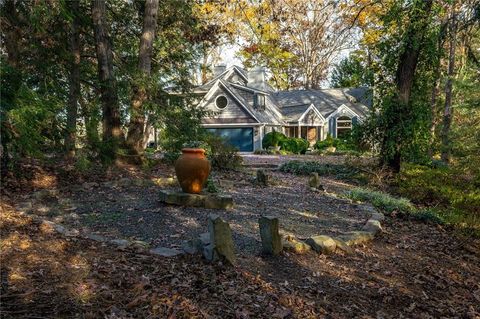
point(221, 102)
point(259, 101)
point(344, 126)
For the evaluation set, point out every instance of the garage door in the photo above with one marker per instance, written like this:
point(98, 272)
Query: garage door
point(241, 138)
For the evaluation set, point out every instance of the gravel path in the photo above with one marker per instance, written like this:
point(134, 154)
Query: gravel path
point(128, 210)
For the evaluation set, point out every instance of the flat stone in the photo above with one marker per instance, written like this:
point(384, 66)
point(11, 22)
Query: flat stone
point(271, 240)
point(192, 246)
point(205, 238)
point(322, 244)
point(262, 178)
point(221, 242)
point(343, 246)
point(96, 237)
point(296, 246)
point(140, 244)
point(219, 202)
point(182, 199)
point(357, 237)
point(378, 216)
point(165, 252)
point(45, 194)
point(373, 226)
point(210, 201)
point(120, 242)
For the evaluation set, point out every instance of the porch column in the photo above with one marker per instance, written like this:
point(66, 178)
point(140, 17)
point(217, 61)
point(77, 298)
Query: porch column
point(299, 132)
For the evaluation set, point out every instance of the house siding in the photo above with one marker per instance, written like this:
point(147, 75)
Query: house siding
point(233, 113)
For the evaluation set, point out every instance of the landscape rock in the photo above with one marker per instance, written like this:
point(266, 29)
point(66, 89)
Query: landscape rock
point(295, 246)
point(45, 194)
point(219, 202)
point(120, 242)
point(373, 226)
point(262, 178)
point(182, 199)
point(24, 206)
point(314, 181)
point(221, 242)
point(322, 244)
point(357, 237)
point(96, 237)
point(205, 238)
point(193, 246)
point(378, 216)
point(269, 233)
point(341, 245)
point(165, 252)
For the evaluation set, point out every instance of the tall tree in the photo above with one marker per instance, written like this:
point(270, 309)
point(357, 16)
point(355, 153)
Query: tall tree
point(404, 78)
point(112, 130)
point(74, 78)
point(447, 114)
point(137, 122)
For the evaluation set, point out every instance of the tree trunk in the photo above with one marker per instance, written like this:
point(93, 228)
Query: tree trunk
point(112, 130)
point(137, 122)
point(405, 77)
point(74, 80)
point(448, 111)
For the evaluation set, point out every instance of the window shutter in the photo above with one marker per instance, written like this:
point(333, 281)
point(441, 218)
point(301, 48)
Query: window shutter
point(354, 120)
point(333, 127)
point(255, 100)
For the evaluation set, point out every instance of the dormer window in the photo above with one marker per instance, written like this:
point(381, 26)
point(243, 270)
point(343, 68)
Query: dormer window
point(259, 101)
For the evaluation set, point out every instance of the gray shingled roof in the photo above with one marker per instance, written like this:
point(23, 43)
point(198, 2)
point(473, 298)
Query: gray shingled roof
point(293, 104)
point(326, 101)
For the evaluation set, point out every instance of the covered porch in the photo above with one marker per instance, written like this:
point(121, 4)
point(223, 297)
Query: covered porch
point(311, 133)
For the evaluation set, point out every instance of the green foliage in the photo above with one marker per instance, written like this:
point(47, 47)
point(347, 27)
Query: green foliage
point(222, 155)
point(339, 144)
point(294, 145)
point(211, 187)
point(181, 125)
point(337, 170)
point(450, 191)
point(352, 72)
point(273, 139)
point(382, 201)
point(170, 157)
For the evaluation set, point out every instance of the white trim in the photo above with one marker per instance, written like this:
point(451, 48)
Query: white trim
point(347, 109)
point(311, 107)
point(246, 88)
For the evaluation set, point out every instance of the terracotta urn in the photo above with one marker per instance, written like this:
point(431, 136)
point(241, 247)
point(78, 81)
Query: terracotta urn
point(192, 169)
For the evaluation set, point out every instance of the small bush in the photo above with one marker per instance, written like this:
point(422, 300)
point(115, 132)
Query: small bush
point(382, 201)
point(211, 187)
point(222, 155)
point(294, 145)
point(273, 139)
point(344, 145)
point(171, 157)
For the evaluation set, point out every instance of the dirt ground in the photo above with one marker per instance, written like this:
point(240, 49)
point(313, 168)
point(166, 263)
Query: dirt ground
point(126, 209)
point(412, 270)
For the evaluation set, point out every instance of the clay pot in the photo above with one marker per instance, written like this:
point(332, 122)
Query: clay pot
point(192, 169)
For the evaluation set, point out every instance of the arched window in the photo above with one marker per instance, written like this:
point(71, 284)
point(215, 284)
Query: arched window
point(344, 126)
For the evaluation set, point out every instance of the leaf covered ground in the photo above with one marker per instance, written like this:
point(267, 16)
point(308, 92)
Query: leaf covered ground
point(413, 270)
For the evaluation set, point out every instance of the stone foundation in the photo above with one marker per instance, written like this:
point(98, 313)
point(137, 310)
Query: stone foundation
point(211, 201)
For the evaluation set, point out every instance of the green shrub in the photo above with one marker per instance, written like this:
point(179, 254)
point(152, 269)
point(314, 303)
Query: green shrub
point(170, 157)
point(273, 139)
point(452, 192)
point(211, 187)
point(337, 170)
point(382, 201)
point(340, 144)
point(222, 155)
point(294, 145)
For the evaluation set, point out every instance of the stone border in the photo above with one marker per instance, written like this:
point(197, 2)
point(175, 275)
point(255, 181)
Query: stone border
point(325, 244)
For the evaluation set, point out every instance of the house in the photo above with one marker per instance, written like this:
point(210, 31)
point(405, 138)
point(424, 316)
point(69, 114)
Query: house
point(245, 107)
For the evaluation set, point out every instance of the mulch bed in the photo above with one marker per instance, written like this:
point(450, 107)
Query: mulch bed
point(417, 271)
